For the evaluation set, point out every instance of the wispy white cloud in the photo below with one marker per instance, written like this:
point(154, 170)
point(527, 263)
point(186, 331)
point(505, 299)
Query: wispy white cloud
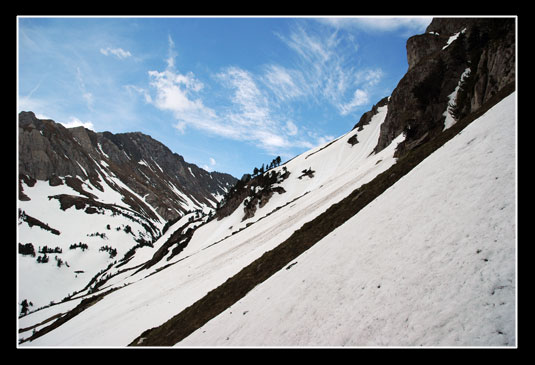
point(402, 25)
point(117, 52)
point(290, 128)
point(368, 77)
point(325, 69)
point(86, 95)
point(319, 139)
point(75, 122)
point(285, 84)
point(309, 47)
point(171, 53)
point(251, 107)
point(256, 119)
point(315, 59)
point(29, 102)
point(248, 117)
point(360, 97)
point(174, 91)
point(177, 92)
point(324, 139)
point(255, 105)
point(210, 167)
point(35, 88)
point(142, 91)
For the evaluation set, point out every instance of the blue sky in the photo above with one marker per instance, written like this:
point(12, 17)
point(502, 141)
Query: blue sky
point(226, 93)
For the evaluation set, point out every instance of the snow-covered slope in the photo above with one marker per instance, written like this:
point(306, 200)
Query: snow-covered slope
point(113, 225)
point(87, 201)
point(430, 262)
point(219, 249)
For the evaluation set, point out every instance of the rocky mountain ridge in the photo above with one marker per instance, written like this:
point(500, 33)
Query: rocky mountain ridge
point(483, 49)
point(199, 271)
point(169, 185)
point(97, 199)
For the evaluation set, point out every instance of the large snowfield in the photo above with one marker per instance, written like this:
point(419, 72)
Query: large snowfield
point(430, 262)
point(45, 283)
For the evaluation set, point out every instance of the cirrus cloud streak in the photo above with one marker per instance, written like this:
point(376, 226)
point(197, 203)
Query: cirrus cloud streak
point(257, 106)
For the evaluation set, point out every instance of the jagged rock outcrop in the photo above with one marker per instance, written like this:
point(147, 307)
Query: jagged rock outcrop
point(367, 117)
point(423, 45)
point(437, 59)
point(252, 193)
point(48, 150)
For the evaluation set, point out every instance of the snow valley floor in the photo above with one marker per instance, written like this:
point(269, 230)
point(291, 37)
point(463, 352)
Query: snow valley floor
point(431, 262)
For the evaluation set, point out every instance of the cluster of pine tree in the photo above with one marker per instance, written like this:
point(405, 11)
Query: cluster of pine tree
point(46, 249)
point(42, 259)
point(260, 181)
point(81, 245)
point(27, 249)
point(97, 234)
point(60, 262)
point(274, 163)
point(110, 250)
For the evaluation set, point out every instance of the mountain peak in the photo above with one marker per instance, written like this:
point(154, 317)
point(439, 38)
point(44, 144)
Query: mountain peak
point(147, 167)
point(412, 224)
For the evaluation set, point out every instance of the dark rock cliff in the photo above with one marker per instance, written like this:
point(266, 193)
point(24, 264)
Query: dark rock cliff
point(437, 59)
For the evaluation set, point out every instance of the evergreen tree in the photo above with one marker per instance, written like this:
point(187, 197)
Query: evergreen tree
point(25, 305)
point(42, 259)
point(26, 249)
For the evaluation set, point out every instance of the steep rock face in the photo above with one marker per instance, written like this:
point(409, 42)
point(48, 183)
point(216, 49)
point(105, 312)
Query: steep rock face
point(43, 148)
point(48, 150)
point(437, 59)
point(497, 63)
point(490, 50)
point(447, 26)
point(423, 45)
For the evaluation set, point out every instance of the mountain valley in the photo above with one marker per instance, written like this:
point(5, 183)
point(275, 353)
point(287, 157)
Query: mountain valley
point(401, 232)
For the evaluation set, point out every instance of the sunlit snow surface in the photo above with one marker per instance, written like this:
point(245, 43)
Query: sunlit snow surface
point(440, 244)
point(430, 262)
point(43, 283)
